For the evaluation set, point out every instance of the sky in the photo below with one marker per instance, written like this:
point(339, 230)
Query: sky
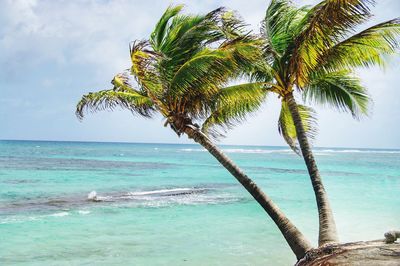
point(54, 51)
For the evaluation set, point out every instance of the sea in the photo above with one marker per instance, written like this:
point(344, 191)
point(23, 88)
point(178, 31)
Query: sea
point(90, 203)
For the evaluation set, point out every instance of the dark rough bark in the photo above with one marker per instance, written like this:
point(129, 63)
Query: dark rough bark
point(293, 236)
point(370, 253)
point(327, 226)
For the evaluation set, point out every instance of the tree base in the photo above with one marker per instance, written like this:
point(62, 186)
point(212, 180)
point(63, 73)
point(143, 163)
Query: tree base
point(369, 253)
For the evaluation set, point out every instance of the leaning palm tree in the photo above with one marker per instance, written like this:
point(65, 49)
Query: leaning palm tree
point(313, 51)
point(185, 72)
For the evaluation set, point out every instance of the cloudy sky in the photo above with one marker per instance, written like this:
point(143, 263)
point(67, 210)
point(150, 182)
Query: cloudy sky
point(53, 51)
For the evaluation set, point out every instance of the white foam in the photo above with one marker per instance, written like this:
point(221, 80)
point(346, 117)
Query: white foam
point(196, 150)
point(59, 214)
point(255, 151)
point(358, 151)
point(11, 220)
point(92, 196)
point(83, 212)
point(285, 151)
point(163, 191)
point(187, 199)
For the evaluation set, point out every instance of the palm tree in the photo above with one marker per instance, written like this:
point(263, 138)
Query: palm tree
point(313, 51)
point(185, 72)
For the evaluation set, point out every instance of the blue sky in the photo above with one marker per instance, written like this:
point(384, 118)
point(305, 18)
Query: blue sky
point(53, 51)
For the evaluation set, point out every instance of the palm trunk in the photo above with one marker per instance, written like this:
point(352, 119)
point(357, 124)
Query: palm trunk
point(296, 240)
point(327, 226)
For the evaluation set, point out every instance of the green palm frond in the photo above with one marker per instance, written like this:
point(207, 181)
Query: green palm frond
point(340, 90)
point(232, 104)
point(322, 27)
point(184, 30)
point(262, 72)
point(287, 128)
point(205, 72)
point(203, 68)
point(366, 48)
point(111, 99)
point(186, 35)
point(158, 34)
point(278, 27)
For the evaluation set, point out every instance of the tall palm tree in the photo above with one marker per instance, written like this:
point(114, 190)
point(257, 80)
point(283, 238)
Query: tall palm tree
point(184, 72)
point(313, 51)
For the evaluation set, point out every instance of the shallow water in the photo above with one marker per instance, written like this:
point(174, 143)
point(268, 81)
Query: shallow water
point(162, 204)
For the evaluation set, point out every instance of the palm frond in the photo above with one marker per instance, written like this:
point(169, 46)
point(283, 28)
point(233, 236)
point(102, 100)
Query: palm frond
point(340, 90)
point(211, 68)
point(158, 34)
point(232, 105)
point(287, 128)
point(111, 99)
point(366, 48)
point(278, 26)
point(322, 27)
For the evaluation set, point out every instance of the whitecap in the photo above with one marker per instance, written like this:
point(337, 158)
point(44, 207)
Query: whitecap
point(256, 151)
point(195, 150)
point(359, 151)
point(166, 192)
point(11, 220)
point(92, 196)
point(59, 214)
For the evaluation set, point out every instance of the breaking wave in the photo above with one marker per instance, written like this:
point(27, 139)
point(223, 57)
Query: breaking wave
point(288, 151)
point(72, 205)
point(358, 151)
point(255, 151)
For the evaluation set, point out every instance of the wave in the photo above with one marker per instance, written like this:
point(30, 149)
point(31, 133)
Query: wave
point(12, 219)
point(59, 214)
point(358, 151)
point(64, 205)
point(169, 192)
point(15, 219)
point(94, 197)
point(159, 198)
point(190, 150)
point(251, 151)
point(288, 151)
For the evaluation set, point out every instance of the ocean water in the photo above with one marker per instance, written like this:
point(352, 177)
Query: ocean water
point(163, 204)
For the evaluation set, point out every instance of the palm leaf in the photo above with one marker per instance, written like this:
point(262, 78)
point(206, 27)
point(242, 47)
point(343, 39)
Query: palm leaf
point(340, 90)
point(287, 128)
point(279, 24)
point(366, 48)
point(158, 34)
point(322, 27)
point(205, 72)
point(232, 105)
point(110, 99)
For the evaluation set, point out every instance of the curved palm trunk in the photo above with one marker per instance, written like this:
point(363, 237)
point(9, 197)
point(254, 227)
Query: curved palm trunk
point(296, 240)
point(327, 226)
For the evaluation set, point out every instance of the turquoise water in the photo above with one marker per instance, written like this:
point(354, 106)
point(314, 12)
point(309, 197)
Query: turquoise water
point(163, 204)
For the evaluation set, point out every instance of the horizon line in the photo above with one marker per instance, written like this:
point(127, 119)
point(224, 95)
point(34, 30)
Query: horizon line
point(174, 143)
